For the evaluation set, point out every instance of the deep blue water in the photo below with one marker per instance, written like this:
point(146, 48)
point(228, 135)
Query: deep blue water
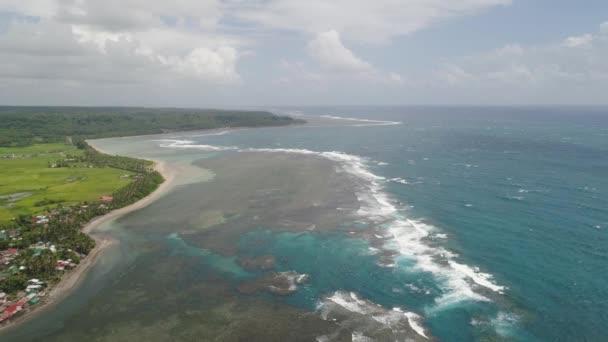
point(521, 193)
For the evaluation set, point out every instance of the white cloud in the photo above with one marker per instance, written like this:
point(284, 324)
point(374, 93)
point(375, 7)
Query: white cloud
point(333, 62)
point(39, 8)
point(395, 77)
point(328, 50)
point(298, 72)
point(120, 15)
point(152, 40)
point(358, 20)
point(584, 40)
point(577, 61)
point(211, 64)
point(131, 40)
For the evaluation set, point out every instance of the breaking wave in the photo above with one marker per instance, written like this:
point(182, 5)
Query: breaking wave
point(365, 122)
point(370, 319)
point(178, 143)
point(412, 239)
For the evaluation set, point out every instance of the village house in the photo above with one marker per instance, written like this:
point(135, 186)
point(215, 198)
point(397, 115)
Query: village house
point(106, 199)
point(41, 219)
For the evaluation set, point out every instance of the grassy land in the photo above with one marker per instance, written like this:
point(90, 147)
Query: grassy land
point(40, 148)
point(27, 176)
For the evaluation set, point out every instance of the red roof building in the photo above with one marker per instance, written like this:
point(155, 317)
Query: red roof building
point(106, 199)
point(11, 251)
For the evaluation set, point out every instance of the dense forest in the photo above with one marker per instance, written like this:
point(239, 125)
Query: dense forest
point(22, 126)
point(143, 185)
point(99, 159)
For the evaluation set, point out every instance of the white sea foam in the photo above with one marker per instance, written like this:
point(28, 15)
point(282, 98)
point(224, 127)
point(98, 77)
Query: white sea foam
point(413, 319)
point(351, 302)
point(214, 133)
point(373, 251)
point(294, 279)
point(399, 180)
point(409, 237)
point(394, 319)
point(365, 122)
point(177, 143)
point(359, 337)
point(504, 323)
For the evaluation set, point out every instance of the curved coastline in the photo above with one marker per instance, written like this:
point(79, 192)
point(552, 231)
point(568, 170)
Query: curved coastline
point(71, 281)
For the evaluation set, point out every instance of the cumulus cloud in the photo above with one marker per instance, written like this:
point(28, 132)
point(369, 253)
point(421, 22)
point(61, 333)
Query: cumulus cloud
point(117, 40)
point(207, 42)
point(150, 40)
point(375, 21)
point(579, 41)
point(39, 8)
point(328, 50)
point(333, 62)
point(576, 61)
point(215, 64)
point(121, 15)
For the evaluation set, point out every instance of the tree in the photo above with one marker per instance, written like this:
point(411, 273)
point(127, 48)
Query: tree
point(42, 265)
point(13, 283)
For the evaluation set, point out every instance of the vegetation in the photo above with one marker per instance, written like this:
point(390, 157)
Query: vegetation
point(53, 241)
point(47, 202)
point(118, 162)
point(52, 182)
point(13, 283)
point(28, 183)
point(138, 189)
point(42, 245)
point(24, 126)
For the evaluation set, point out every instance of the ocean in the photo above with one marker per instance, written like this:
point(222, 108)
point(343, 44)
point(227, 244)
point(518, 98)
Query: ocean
point(422, 223)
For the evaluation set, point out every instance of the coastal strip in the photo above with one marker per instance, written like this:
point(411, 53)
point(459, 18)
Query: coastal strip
point(74, 278)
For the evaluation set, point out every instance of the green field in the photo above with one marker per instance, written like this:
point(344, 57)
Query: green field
point(26, 177)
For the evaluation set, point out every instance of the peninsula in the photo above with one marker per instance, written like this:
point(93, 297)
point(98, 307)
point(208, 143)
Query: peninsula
point(56, 189)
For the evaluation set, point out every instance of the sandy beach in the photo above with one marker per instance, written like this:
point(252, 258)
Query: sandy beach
point(169, 175)
point(71, 280)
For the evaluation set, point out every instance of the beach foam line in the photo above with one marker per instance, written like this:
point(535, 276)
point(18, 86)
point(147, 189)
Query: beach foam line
point(193, 135)
point(409, 237)
point(214, 133)
point(179, 143)
point(367, 122)
point(364, 122)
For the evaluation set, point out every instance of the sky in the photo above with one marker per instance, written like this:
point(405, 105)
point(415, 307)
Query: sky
point(240, 53)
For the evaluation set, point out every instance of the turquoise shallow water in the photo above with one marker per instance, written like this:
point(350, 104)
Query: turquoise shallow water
point(519, 193)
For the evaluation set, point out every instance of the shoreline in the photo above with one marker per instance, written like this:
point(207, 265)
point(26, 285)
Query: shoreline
point(72, 280)
point(196, 132)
